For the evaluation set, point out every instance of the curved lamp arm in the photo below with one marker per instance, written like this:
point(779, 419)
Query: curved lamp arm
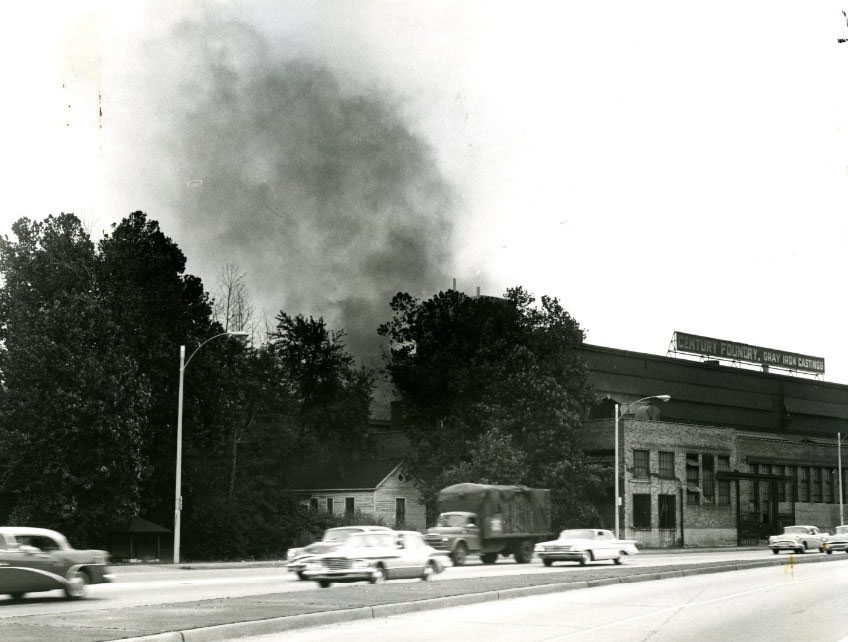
point(237, 333)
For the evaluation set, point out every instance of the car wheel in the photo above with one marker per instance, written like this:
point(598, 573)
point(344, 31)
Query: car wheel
point(379, 575)
point(429, 572)
point(300, 575)
point(488, 558)
point(17, 595)
point(799, 550)
point(76, 584)
point(821, 549)
point(324, 583)
point(775, 550)
point(459, 554)
point(585, 558)
point(547, 562)
point(829, 552)
point(617, 560)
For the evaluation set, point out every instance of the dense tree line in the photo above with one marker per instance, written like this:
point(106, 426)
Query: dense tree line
point(89, 349)
point(491, 390)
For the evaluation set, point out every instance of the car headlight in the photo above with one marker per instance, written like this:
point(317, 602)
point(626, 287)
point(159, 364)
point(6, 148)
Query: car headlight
point(538, 548)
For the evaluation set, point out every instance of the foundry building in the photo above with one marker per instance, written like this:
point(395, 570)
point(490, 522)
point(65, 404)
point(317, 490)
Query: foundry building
point(722, 445)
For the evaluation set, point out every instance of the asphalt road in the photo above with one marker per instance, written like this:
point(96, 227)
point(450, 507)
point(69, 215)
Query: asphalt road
point(165, 584)
point(772, 604)
point(238, 601)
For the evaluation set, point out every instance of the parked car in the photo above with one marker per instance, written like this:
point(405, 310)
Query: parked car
point(838, 541)
point(38, 559)
point(333, 538)
point(799, 539)
point(375, 557)
point(585, 545)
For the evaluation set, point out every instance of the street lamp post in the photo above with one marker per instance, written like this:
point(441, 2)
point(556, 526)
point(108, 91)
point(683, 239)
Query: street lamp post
point(615, 455)
point(178, 498)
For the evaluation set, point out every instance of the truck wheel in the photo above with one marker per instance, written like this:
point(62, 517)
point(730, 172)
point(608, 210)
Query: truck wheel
point(523, 552)
point(459, 554)
point(489, 558)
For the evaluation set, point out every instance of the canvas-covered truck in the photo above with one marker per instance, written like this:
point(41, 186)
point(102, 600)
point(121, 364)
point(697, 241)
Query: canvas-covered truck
point(490, 520)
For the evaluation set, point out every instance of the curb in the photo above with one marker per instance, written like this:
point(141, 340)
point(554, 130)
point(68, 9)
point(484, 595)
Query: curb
point(224, 632)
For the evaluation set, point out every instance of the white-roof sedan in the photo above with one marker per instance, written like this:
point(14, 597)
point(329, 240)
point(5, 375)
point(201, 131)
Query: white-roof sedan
point(584, 545)
point(799, 538)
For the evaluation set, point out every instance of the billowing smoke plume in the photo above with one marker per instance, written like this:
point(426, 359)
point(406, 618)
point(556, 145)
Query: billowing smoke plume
point(310, 182)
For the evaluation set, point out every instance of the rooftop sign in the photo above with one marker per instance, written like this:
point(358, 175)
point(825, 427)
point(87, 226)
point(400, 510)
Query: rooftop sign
point(705, 346)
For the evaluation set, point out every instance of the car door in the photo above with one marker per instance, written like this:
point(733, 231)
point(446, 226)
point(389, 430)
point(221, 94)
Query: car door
point(26, 568)
point(606, 544)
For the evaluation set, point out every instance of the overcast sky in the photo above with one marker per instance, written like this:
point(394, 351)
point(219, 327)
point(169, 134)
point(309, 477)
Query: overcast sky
point(657, 166)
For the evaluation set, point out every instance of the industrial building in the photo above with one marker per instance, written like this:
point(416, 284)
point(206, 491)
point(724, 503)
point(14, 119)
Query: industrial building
point(731, 457)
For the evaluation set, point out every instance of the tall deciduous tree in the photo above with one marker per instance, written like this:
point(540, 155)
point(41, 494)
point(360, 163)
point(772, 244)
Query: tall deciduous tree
point(493, 388)
point(159, 307)
point(332, 396)
point(74, 401)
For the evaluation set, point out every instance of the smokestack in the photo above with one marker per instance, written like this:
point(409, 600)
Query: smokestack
point(454, 285)
point(478, 290)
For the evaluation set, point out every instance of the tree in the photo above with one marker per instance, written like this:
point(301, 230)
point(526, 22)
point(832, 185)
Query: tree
point(74, 401)
point(332, 396)
point(492, 388)
point(158, 307)
point(232, 308)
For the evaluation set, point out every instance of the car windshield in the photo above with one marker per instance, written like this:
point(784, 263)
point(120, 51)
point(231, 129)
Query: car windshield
point(578, 533)
point(794, 530)
point(338, 534)
point(448, 519)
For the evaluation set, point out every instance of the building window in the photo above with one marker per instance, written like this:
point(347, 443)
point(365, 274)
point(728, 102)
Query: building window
point(313, 503)
point(803, 485)
point(349, 506)
point(693, 489)
point(830, 486)
point(641, 467)
point(708, 478)
point(792, 484)
point(723, 497)
point(817, 484)
point(330, 505)
point(642, 511)
point(666, 465)
point(400, 512)
point(781, 485)
point(667, 507)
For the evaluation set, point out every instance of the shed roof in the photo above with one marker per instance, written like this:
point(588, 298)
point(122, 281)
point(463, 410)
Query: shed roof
point(362, 475)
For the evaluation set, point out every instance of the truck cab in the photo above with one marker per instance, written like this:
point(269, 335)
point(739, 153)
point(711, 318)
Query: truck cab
point(458, 533)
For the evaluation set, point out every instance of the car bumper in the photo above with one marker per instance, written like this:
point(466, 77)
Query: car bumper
point(340, 575)
point(562, 556)
point(837, 546)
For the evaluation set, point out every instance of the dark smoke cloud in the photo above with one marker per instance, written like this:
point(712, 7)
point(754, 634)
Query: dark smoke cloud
point(310, 181)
